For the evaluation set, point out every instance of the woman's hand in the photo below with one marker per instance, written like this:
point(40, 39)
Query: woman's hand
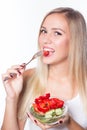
point(14, 83)
point(62, 121)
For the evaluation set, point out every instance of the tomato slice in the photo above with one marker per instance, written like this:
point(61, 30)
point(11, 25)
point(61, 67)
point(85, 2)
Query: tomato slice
point(53, 104)
point(56, 103)
point(44, 106)
point(36, 109)
point(60, 104)
point(45, 103)
point(47, 95)
point(41, 98)
point(38, 100)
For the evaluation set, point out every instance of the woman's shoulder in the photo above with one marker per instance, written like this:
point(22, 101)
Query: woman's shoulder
point(28, 73)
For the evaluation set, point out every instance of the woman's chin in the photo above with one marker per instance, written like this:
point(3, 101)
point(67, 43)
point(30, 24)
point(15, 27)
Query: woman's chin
point(47, 62)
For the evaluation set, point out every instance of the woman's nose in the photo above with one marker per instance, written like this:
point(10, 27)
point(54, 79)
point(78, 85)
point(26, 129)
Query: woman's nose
point(47, 39)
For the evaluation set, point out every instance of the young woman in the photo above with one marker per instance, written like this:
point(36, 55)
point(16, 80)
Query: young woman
point(62, 73)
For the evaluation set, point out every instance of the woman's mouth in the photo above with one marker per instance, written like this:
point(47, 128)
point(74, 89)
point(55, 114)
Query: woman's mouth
point(48, 51)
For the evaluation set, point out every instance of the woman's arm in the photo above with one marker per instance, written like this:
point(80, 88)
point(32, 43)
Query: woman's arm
point(11, 121)
point(10, 117)
point(13, 86)
point(17, 76)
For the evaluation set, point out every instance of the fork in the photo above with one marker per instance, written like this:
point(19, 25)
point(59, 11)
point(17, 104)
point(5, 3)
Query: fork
point(37, 54)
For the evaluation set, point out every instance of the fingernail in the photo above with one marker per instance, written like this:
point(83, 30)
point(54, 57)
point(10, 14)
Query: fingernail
point(35, 121)
point(18, 70)
point(28, 115)
point(60, 121)
point(12, 75)
point(23, 65)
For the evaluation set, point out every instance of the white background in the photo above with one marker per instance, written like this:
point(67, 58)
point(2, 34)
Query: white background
point(19, 25)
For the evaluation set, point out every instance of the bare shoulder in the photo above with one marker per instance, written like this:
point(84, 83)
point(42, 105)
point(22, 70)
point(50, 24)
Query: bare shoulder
point(28, 73)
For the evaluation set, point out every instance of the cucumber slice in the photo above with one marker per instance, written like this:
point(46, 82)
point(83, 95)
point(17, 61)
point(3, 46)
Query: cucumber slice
point(59, 111)
point(50, 114)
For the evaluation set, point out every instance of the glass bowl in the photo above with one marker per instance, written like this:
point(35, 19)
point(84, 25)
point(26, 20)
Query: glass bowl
point(51, 117)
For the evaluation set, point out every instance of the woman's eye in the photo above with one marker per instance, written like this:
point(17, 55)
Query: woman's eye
point(58, 33)
point(43, 31)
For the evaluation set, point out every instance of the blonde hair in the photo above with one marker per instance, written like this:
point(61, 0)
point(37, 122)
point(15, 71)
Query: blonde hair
point(77, 61)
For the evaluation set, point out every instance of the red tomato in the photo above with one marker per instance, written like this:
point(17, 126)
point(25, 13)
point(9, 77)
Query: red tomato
point(44, 106)
point(45, 103)
point(47, 95)
point(41, 98)
point(60, 104)
point(56, 103)
point(38, 100)
point(53, 104)
point(36, 109)
point(46, 53)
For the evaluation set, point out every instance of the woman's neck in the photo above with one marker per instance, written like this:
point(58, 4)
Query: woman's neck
point(60, 80)
point(59, 71)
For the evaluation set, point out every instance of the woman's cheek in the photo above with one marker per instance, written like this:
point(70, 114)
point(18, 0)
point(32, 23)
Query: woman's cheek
point(40, 42)
point(64, 43)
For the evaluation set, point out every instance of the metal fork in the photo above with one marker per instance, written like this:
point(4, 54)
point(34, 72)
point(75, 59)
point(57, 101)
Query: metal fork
point(37, 54)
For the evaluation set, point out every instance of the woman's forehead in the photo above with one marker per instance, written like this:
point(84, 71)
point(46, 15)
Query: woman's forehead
point(55, 20)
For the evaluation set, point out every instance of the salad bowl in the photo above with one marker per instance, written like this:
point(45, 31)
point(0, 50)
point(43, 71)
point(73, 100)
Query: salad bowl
point(48, 110)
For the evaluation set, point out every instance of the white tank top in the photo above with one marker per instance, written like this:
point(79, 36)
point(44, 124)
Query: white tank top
point(75, 108)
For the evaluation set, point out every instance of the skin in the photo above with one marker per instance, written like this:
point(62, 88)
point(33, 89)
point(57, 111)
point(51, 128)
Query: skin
point(54, 34)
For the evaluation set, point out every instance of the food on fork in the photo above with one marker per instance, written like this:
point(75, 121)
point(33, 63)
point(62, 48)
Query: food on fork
point(45, 53)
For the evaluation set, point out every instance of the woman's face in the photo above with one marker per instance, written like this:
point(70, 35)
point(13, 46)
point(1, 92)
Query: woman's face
point(54, 37)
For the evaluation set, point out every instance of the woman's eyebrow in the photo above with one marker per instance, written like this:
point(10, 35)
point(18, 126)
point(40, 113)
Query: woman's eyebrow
point(43, 27)
point(54, 28)
point(58, 29)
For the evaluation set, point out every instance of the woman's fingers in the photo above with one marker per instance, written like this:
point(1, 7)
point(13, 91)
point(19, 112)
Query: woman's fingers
point(13, 80)
point(42, 126)
point(63, 120)
point(13, 72)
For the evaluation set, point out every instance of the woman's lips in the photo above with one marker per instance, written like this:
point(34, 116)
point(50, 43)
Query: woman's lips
point(48, 51)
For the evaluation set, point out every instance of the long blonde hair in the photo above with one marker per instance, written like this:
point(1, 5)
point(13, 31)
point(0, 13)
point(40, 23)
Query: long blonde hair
point(77, 61)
